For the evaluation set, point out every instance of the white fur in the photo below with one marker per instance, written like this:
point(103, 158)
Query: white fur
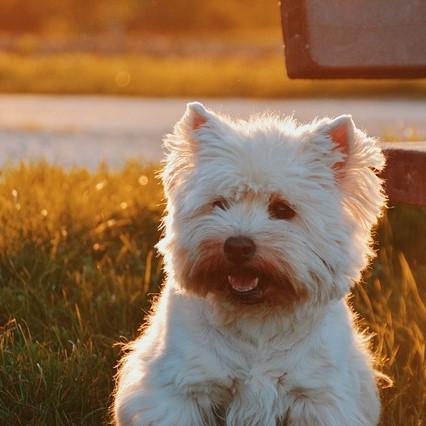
point(202, 360)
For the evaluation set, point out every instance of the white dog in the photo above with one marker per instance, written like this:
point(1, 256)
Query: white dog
point(268, 226)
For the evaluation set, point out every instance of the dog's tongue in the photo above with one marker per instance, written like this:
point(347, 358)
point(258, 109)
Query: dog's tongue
point(243, 282)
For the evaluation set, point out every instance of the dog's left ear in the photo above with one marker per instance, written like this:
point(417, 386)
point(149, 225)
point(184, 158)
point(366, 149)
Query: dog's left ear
point(355, 159)
point(341, 133)
point(350, 148)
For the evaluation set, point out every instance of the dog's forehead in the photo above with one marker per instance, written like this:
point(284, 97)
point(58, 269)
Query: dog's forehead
point(258, 161)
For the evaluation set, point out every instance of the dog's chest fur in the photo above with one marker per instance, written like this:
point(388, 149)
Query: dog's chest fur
point(250, 371)
point(245, 399)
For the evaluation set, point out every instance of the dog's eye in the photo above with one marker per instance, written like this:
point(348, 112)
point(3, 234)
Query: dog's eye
point(280, 210)
point(221, 203)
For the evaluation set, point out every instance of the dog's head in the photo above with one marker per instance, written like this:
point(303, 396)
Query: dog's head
point(268, 211)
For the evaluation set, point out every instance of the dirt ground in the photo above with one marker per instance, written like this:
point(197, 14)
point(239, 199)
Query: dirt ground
point(84, 131)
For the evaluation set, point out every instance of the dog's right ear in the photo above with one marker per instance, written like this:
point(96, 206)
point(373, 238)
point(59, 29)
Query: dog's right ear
point(188, 131)
point(197, 125)
point(196, 115)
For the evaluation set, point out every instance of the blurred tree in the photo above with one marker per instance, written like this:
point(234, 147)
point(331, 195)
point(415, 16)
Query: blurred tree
point(158, 16)
point(15, 16)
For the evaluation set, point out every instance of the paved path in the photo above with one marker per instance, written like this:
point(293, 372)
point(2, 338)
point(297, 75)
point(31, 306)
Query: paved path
point(86, 130)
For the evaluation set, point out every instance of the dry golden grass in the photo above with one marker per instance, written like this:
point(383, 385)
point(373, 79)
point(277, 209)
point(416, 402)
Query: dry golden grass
point(77, 274)
point(259, 75)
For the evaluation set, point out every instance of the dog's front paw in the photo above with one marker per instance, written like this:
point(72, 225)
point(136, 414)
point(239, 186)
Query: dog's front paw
point(156, 409)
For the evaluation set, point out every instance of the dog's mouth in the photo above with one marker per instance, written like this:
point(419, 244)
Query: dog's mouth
point(243, 283)
point(257, 282)
point(245, 286)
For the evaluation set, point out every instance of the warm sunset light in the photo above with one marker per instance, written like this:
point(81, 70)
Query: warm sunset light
point(172, 165)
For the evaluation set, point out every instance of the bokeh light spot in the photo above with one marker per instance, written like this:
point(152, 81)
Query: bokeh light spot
point(122, 78)
point(100, 185)
point(143, 180)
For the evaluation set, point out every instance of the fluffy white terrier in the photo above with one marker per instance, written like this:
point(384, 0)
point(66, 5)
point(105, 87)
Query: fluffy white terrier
point(268, 226)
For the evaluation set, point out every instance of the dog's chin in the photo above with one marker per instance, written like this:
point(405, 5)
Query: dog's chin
point(244, 285)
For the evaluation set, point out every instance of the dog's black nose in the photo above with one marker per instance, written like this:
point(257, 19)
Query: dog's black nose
point(239, 249)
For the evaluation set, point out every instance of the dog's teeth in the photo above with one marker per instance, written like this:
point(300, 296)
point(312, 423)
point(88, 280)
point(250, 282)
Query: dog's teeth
point(242, 284)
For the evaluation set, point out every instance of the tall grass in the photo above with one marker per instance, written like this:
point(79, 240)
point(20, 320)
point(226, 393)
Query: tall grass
point(77, 273)
point(74, 250)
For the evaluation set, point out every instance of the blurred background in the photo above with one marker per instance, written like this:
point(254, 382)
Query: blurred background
point(156, 55)
point(87, 89)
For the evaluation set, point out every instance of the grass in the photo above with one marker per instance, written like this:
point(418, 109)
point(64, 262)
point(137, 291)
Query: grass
point(78, 273)
point(258, 75)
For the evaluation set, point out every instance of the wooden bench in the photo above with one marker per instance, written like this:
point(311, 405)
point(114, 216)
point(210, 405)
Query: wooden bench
point(405, 172)
point(354, 39)
point(364, 39)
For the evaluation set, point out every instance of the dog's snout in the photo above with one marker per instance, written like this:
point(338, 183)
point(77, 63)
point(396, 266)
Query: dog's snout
point(239, 249)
